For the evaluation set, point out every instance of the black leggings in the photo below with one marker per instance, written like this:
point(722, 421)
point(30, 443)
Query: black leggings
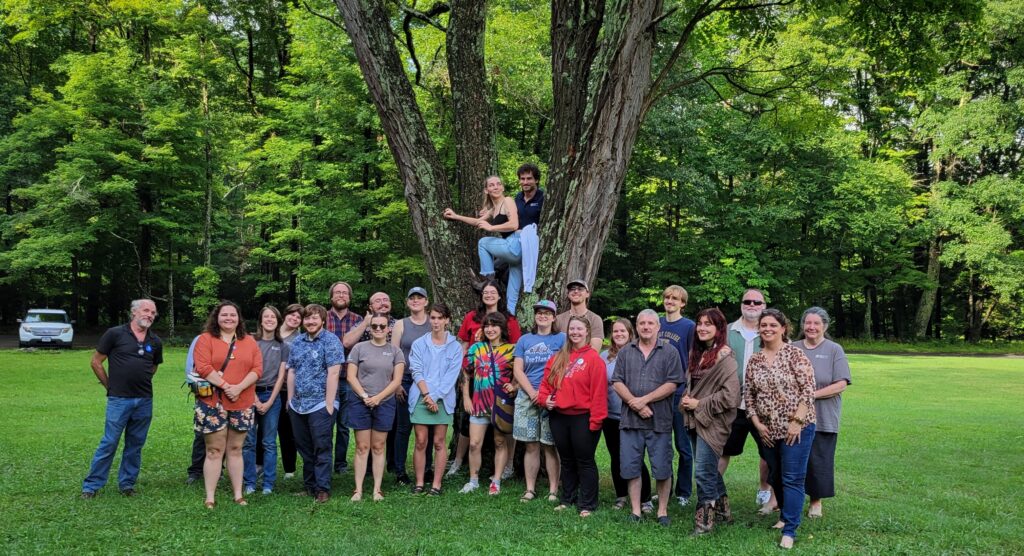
point(611, 441)
point(576, 445)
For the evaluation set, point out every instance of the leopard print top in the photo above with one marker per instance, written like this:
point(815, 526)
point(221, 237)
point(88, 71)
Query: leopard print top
point(774, 390)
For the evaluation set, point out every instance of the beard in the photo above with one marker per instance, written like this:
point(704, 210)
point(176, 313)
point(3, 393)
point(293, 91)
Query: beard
point(339, 305)
point(143, 322)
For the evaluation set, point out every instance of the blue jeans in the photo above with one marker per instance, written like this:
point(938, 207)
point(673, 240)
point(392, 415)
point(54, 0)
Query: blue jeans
point(710, 485)
point(787, 468)
point(684, 474)
point(341, 424)
point(313, 441)
point(266, 427)
point(132, 417)
point(508, 250)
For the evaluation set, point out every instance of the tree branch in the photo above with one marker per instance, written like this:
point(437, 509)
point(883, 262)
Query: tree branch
point(428, 16)
point(326, 18)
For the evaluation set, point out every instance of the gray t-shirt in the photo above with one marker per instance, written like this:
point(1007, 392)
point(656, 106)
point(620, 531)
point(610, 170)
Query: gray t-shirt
point(274, 353)
point(375, 365)
point(596, 324)
point(410, 333)
point(830, 366)
point(643, 376)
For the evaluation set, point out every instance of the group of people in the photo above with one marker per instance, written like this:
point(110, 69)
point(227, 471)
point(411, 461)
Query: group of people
point(667, 386)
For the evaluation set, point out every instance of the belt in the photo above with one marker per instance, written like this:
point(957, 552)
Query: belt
point(264, 388)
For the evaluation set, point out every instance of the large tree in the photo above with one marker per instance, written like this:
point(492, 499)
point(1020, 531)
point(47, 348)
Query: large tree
point(603, 82)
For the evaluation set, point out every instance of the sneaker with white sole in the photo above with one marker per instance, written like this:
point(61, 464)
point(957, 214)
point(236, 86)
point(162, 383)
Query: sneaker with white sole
point(289, 475)
point(469, 487)
point(508, 472)
point(683, 501)
point(494, 489)
point(453, 469)
point(763, 496)
point(250, 490)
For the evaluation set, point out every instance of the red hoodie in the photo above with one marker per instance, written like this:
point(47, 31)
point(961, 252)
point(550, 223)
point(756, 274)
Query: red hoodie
point(584, 387)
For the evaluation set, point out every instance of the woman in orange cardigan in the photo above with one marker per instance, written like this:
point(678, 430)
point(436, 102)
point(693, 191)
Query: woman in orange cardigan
point(575, 390)
point(231, 361)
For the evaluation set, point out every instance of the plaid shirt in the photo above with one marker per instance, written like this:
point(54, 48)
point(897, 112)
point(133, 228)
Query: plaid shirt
point(340, 326)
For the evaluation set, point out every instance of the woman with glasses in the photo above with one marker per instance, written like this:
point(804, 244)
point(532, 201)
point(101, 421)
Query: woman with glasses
point(230, 360)
point(375, 369)
point(267, 405)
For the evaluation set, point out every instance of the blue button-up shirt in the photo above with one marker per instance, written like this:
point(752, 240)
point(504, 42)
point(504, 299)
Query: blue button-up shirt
point(310, 358)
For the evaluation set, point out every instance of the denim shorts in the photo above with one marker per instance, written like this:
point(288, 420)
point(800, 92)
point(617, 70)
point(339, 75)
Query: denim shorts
point(361, 417)
point(481, 420)
point(210, 419)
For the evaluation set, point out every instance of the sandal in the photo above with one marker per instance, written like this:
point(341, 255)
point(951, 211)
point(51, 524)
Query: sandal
point(434, 491)
point(585, 513)
point(210, 504)
point(357, 496)
point(552, 497)
point(528, 496)
point(560, 507)
point(619, 503)
point(378, 496)
point(241, 501)
point(418, 489)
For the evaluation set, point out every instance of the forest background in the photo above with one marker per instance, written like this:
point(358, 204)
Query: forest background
point(864, 156)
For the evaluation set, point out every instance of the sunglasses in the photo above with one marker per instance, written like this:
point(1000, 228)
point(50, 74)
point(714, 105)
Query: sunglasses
point(379, 326)
point(752, 302)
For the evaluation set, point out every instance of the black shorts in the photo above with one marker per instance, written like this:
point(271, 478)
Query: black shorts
point(741, 427)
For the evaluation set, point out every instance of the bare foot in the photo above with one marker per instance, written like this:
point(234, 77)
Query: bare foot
point(814, 511)
point(786, 542)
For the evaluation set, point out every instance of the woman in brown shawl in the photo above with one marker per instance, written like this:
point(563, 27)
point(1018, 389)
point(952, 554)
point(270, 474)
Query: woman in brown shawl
point(712, 396)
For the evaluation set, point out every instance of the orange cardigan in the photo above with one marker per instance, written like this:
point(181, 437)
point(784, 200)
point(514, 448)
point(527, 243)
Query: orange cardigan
point(209, 356)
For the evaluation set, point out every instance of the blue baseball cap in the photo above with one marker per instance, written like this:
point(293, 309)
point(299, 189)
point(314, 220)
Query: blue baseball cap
point(547, 305)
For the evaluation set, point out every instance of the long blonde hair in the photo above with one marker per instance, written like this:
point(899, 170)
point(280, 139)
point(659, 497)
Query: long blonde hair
point(561, 363)
point(487, 204)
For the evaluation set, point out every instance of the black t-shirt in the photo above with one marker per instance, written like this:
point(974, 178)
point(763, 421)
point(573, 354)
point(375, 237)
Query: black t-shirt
point(130, 375)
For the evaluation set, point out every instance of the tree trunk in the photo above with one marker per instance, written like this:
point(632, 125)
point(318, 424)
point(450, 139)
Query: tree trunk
point(426, 185)
point(596, 118)
point(473, 123)
point(930, 293)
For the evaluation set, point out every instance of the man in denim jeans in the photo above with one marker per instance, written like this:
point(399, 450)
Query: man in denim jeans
point(134, 354)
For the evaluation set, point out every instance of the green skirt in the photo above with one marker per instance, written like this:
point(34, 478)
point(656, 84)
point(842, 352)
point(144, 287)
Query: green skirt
point(423, 416)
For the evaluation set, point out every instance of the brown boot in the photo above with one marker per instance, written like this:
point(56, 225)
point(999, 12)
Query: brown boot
point(704, 519)
point(723, 513)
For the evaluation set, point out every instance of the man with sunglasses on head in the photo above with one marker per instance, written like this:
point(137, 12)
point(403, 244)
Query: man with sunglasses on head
point(133, 354)
point(744, 341)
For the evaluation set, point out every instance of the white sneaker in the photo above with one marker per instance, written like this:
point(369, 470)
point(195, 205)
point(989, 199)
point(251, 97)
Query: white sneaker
point(683, 501)
point(508, 472)
point(249, 490)
point(289, 475)
point(469, 487)
point(453, 469)
point(763, 496)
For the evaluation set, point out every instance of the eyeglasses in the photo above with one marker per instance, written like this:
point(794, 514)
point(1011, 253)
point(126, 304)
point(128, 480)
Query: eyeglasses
point(753, 302)
point(576, 288)
point(379, 326)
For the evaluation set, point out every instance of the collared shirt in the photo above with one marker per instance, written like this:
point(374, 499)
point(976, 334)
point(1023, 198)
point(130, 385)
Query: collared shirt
point(529, 212)
point(743, 342)
point(645, 375)
point(340, 326)
point(310, 358)
point(130, 363)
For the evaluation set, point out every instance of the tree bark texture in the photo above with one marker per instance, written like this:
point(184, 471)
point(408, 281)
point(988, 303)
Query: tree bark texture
point(927, 305)
point(426, 185)
point(601, 75)
point(473, 122)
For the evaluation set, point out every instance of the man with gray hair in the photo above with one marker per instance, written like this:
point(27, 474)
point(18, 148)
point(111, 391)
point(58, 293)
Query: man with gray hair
point(647, 373)
point(134, 353)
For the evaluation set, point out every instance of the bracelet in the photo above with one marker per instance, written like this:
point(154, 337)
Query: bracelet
point(798, 421)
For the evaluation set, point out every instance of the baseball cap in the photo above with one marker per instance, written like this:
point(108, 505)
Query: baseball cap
point(546, 304)
point(416, 291)
point(580, 282)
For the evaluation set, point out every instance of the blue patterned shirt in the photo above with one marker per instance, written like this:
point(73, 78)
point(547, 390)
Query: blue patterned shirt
point(310, 359)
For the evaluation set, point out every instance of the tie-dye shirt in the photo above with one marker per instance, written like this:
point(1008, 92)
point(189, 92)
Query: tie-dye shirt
point(481, 362)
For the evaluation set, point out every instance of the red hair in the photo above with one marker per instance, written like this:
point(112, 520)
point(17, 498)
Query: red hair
point(702, 356)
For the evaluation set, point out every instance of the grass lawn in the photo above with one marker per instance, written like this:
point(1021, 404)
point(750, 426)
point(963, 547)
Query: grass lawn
point(930, 461)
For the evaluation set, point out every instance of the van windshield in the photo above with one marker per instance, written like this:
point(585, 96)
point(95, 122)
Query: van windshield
point(46, 317)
